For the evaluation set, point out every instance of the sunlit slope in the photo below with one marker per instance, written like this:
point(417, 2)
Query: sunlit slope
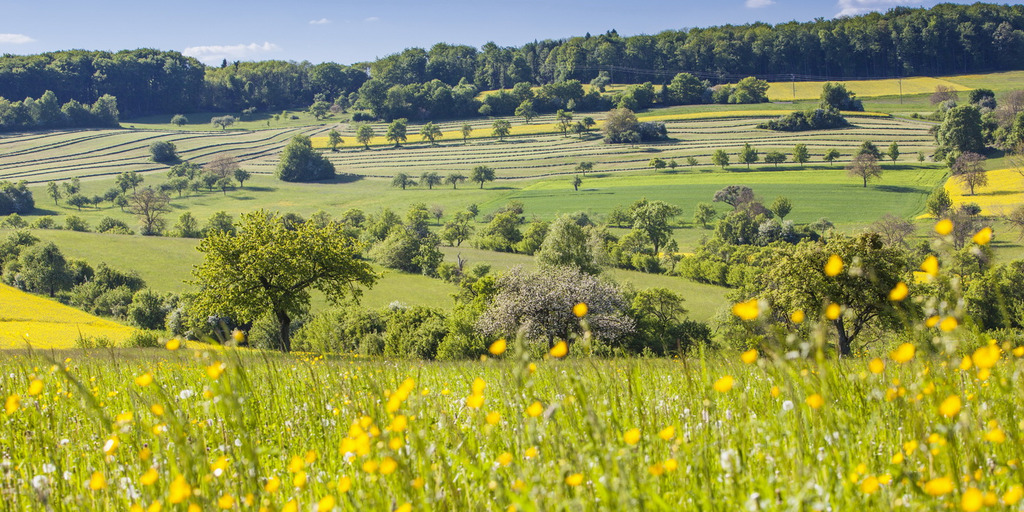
point(26, 319)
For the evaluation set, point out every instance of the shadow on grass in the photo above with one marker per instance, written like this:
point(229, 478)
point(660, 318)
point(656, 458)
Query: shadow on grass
point(260, 189)
point(898, 189)
point(41, 211)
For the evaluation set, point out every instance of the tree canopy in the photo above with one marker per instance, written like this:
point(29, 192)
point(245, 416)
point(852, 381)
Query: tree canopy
point(268, 267)
point(300, 162)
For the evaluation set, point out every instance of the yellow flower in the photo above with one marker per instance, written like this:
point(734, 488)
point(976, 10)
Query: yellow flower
point(899, 292)
point(493, 418)
point(326, 504)
point(344, 484)
point(580, 310)
point(950, 407)
point(531, 452)
point(986, 357)
point(35, 387)
point(296, 464)
point(876, 366)
point(724, 384)
point(748, 310)
point(797, 317)
point(996, 435)
point(388, 466)
point(1013, 495)
point(417, 483)
point(156, 409)
point(948, 324)
point(834, 265)
point(396, 443)
point(574, 479)
point(238, 336)
point(903, 353)
point(656, 469)
point(474, 401)
point(299, 480)
point(535, 409)
point(144, 380)
point(310, 457)
point(944, 227)
point(560, 349)
point(97, 481)
point(775, 391)
point(815, 401)
point(478, 386)
point(291, 506)
point(983, 237)
point(631, 436)
point(667, 433)
point(931, 321)
point(930, 266)
point(971, 500)
point(156, 506)
point(226, 502)
point(498, 347)
point(215, 370)
point(173, 344)
point(504, 459)
point(180, 490)
point(671, 465)
point(749, 356)
point(149, 477)
point(399, 423)
point(405, 507)
point(939, 486)
point(272, 485)
point(869, 485)
point(832, 311)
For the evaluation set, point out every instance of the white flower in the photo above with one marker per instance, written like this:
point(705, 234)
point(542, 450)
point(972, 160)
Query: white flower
point(787, 405)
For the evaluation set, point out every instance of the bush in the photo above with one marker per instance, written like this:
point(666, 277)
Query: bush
point(76, 223)
point(163, 152)
point(143, 339)
point(362, 116)
point(301, 163)
point(147, 310)
point(93, 342)
point(414, 332)
point(818, 119)
point(179, 120)
point(44, 222)
point(15, 198)
point(113, 226)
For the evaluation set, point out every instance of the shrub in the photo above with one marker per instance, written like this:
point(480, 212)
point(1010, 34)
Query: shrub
point(76, 223)
point(15, 198)
point(114, 226)
point(147, 310)
point(143, 339)
point(163, 152)
point(819, 119)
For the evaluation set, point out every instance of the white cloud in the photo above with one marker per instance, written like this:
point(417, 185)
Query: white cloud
point(372, 19)
point(15, 39)
point(754, 4)
point(213, 54)
point(857, 7)
point(321, 21)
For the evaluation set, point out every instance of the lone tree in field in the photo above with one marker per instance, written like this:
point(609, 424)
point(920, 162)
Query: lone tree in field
point(396, 131)
point(430, 179)
point(454, 179)
point(150, 206)
point(748, 155)
point(500, 128)
point(269, 267)
point(564, 121)
point(240, 175)
point(163, 152)
point(831, 156)
point(969, 170)
point(781, 206)
point(800, 154)
point(301, 163)
point(775, 157)
point(736, 196)
point(128, 180)
point(364, 133)
point(482, 174)
point(796, 281)
point(525, 110)
point(576, 182)
point(431, 132)
point(720, 158)
point(54, 191)
point(222, 166)
point(894, 151)
point(334, 139)
point(864, 166)
point(403, 180)
point(179, 120)
point(223, 121)
point(961, 130)
point(657, 164)
point(467, 130)
point(585, 167)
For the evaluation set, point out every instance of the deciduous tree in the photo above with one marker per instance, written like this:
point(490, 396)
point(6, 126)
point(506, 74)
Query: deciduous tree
point(865, 167)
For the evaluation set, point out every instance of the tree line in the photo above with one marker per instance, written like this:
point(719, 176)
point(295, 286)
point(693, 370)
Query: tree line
point(944, 39)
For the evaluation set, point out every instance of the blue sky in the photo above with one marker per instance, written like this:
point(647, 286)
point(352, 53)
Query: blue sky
point(347, 31)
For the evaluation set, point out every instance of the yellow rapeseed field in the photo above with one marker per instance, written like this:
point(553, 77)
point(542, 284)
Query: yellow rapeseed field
point(43, 323)
point(1005, 191)
point(790, 91)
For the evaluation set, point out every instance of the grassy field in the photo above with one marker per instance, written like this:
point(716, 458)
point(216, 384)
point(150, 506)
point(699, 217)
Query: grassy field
point(30, 320)
point(233, 430)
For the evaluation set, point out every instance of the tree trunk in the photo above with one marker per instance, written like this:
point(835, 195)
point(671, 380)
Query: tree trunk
point(286, 324)
point(843, 343)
